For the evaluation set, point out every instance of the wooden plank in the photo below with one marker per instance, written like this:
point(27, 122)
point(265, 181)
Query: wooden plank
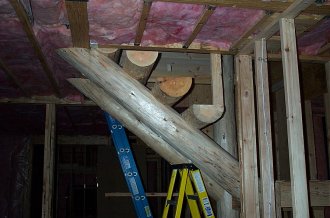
point(264, 130)
point(78, 21)
point(12, 77)
point(142, 22)
point(208, 11)
point(248, 146)
point(45, 100)
point(291, 12)
point(275, 6)
point(301, 58)
point(294, 119)
point(22, 16)
point(319, 193)
point(49, 161)
point(160, 118)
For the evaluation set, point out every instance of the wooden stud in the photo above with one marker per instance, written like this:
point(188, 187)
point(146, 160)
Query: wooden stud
point(49, 160)
point(22, 16)
point(12, 77)
point(294, 119)
point(208, 11)
point(142, 22)
point(264, 130)
point(291, 12)
point(78, 21)
point(247, 145)
point(160, 118)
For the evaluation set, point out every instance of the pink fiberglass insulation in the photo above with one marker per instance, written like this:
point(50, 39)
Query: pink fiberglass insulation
point(170, 23)
point(114, 21)
point(227, 25)
point(311, 42)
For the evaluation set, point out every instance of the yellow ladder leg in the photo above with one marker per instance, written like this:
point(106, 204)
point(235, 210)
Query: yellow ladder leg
point(192, 202)
point(182, 189)
point(202, 194)
point(169, 193)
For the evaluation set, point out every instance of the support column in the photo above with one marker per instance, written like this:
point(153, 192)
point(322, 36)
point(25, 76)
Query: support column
point(225, 132)
point(294, 119)
point(247, 143)
point(49, 157)
point(264, 131)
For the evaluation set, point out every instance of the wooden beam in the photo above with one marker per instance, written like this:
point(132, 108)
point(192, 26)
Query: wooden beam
point(22, 16)
point(327, 110)
point(158, 117)
point(12, 77)
point(275, 6)
point(153, 140)
point(45, 100)
point(78, 21)
point(143, 21)
point(319, 193)
point(324, 48)
point(49, 161)
point(208, 11)
point(294, 119)
point(200, 116)
point(291, 12)
point(248, 145)
point(301, 58)
point(264, 130)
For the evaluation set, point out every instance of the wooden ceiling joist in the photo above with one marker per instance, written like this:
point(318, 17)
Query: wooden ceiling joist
point(274, 6)
point(78, 21)
point(143, 22)
point(208, 11)
point(12, 77)
point(22, 16)
point(269, 30)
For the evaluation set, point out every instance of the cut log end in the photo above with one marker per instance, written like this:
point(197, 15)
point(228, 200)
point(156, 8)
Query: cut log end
point(142, 58)
point(208, 113)
point(175, 86)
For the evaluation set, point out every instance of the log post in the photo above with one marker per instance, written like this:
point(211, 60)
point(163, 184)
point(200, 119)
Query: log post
point(191, 143)
point(49, 157)
point(225, 132)
point(138, 64)
point(170, 90)
point(294, 119)
point(200, 116)
point(128, 119)
point(247, 144)
point(264, 131)
point(112, 53)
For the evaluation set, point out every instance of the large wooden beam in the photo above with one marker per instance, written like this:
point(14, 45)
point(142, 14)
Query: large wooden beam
point(294, 119)
point(153, 140)
point(247, 145)
point(291, 12)
point(133, 96)
point(264, 131)
point(49, 161)
point(200, 116)
point(22, 16)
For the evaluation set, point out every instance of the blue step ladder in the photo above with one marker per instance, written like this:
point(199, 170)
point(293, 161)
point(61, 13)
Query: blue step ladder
point(129, 168)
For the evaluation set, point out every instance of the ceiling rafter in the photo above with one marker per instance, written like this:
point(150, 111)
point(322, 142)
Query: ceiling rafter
point(142, 22)
point(12, 77)
point(78, 22)
point(207, 12)
point(270, 29)
point(22, 16)
point(274, 6)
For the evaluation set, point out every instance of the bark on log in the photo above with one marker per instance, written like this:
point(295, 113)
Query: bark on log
point(138, 64)
point(109, 104)
point(192, 144)
point(170, 90)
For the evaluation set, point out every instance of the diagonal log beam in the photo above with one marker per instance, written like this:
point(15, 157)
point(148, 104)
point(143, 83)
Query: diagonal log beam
point(22, 16)
point(153, 140)
point(191, 143)
point(208, 11)
point(200, 116)
point(268, 31)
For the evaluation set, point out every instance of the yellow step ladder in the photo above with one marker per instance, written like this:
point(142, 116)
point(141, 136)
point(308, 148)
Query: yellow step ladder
point(191, 186)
